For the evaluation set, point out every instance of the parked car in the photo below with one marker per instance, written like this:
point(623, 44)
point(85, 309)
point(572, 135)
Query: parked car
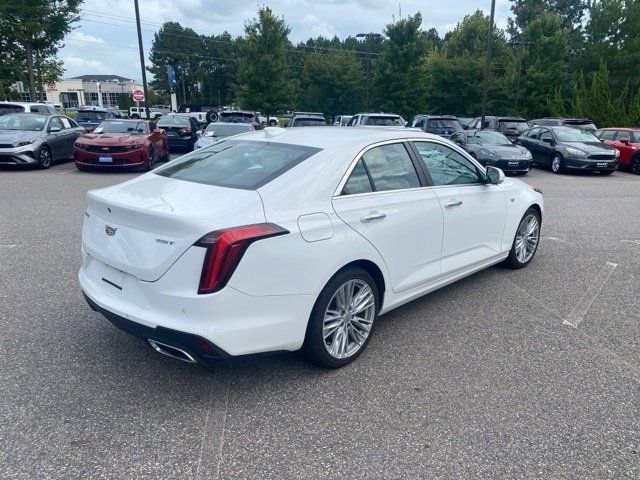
point(307, 121)
point(141, 112)
point(240, 116)
point(122, 143)
point(466, 122)
point(567, 148)
point(227, 250)
point(218, 130)
point(26, 107)
point(492, 148)
point(36, 139)
point(182, 131)
point(202, 114)
point(627, 142)
point(511, 127)
point(91, 117)
point(443, 125)
point(376, 120)
point(342, 120)
point(581, 123)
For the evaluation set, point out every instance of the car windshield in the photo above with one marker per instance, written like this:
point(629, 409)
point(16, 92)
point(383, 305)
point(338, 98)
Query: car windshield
point(384, 121)
point(237, 164)
point(174, 121)
point(4, 109)
point(236, 117)
point(217, 130)
point(308, 122)
point(29, 122)
point(90, 116)
point(115, 126)
point(488, 137)
point(518, 125)
point(569, 134)
point(450, 123)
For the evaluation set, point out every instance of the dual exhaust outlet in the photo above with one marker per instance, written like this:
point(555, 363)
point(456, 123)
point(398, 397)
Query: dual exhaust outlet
point(171, 351)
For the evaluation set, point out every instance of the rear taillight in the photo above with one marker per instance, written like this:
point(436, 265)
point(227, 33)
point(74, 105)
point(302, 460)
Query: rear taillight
point(225, 249)
point(185, 130)
point(429, 131)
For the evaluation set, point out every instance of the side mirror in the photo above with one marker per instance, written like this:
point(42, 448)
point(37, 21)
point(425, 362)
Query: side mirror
point(625, 140)
point(54, 129)
point(494, 176)
point(547, 140)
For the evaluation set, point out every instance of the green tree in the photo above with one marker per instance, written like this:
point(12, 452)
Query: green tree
point(263, 82)
point(35, 30)
point(398, 84)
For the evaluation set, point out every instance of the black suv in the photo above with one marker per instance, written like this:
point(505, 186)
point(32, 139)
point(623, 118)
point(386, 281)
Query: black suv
point(511, 127)
point(443, 125)
point(581, 123)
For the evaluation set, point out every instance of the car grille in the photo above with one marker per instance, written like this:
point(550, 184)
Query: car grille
point(607, 156)
point(97, 149)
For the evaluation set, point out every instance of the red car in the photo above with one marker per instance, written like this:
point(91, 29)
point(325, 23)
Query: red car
point(122, 143)
point(627, 142)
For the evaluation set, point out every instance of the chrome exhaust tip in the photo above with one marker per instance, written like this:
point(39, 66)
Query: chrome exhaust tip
point(170, 351)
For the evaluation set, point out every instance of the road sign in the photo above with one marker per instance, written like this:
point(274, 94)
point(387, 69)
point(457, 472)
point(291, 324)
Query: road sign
point(171, 75)
point(138, 95)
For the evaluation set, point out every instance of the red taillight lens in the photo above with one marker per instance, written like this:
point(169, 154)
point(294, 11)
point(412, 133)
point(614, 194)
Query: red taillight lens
point(185, 130)
point(428, 131)
point(225, 249)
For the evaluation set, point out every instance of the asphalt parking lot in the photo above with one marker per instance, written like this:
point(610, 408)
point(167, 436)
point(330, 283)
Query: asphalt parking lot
point(507, 374)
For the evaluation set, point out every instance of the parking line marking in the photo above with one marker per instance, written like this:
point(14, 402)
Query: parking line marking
point(67, 172)
point(580, 310)
point(9, 246)
point(559, 240)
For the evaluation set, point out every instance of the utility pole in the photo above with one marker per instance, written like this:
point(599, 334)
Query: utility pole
point(520, 58)
point(144, 73)
point(487, 65)
point(367, 36)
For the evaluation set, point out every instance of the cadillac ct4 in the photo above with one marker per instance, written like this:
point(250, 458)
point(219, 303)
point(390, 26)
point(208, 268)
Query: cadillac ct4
point(288, 239)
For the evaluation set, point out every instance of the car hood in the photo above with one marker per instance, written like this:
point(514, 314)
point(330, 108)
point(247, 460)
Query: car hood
point(590, 147)
point(504, 150)
point(111, 139)
point(14, 136)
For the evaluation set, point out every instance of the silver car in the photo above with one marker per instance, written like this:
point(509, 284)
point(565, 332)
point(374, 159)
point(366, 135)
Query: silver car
point(219, 130)
point(36, 139)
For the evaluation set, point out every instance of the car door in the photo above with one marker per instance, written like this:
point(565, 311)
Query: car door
point(57, 140)
point(385, 199)
point(474, 213)
point(546, 147)
point(529, 140)
point(70, 135)
point(626, 149)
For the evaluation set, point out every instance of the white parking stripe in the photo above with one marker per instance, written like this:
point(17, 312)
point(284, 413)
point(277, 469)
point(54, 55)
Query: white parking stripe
point(580, 310)
point(559, 240)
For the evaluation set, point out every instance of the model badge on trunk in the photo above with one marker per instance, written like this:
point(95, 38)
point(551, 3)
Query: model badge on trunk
point(111, 231)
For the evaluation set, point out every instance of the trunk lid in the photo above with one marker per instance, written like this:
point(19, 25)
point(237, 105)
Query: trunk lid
point(143, 226)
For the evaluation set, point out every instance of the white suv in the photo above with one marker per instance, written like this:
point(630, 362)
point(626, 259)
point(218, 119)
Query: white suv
point(140, 112)
point(22, 107)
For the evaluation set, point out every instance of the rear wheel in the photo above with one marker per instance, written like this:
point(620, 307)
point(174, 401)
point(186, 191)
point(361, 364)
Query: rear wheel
point(635, 165)
point(525, 243)
point(342, 320)
point(135, 115)
point(557, 165)
point(44, 157)
point(212, 116)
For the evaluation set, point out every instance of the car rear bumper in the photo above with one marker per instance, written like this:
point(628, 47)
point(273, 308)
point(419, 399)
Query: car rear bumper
point(178, 142)
point(17, 156)
point(134, 159)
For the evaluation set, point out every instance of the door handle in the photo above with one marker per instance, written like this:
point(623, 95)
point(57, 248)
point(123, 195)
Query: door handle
point(372, 216)
point(453, 203)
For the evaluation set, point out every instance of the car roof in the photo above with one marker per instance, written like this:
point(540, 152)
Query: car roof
point(128, 120)
point(25, 104)
point(633, 129)
point(379, 114)
point(85, 108)
point(233, 124)
point(451, 117)
point(46, 114)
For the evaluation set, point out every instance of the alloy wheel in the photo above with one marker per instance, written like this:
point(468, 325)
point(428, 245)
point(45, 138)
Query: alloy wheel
point(44, 157)
point(556, 164)
point(527, 238)
point(348, 319)
point(635, 166)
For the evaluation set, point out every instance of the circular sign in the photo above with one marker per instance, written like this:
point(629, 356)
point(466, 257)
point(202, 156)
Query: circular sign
point(138, 95)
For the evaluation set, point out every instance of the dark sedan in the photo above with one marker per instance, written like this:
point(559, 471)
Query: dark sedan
point(567, 148)
point(494, 149)
point(181, 130)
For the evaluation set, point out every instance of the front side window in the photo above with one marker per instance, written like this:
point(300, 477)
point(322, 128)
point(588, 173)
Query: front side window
point(65, 121)
point(446, 166)
point(545, 135)
point(56, 123)
point(237, 163)
point(391, 168)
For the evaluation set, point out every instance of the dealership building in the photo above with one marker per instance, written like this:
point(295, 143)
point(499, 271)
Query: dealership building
point(102, 90)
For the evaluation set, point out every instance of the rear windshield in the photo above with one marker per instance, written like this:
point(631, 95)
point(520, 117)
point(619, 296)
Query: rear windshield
point(90, 116)
point(4, 109)
point(308, 122)
point(518, 125)
point(174, 122)
point(217, 130)
point(236, 117)
point(381, 121)
point(237, 164)
point(445, 123)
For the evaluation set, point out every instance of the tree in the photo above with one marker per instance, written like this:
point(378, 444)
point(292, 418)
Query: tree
point(36, 28)
point(398, 84)
point(263, 82)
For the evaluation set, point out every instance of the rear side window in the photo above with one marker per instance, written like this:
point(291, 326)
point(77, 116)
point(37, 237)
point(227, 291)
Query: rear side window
point(237, 164)
point(390, 168)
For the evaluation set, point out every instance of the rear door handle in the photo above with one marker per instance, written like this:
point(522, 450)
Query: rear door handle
point(453, 203)
point(372, 216)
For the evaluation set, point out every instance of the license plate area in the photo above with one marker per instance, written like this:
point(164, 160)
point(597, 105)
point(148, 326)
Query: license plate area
point(113, 278)
point(602, 164)
point(105, 159)
point(514, 164)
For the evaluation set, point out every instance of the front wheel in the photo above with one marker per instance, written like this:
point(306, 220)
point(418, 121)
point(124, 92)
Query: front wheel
point(525, 243)
point(342, 319)
point(556, 164)
point(635, 165)
point(44, 157)
point(150, 160)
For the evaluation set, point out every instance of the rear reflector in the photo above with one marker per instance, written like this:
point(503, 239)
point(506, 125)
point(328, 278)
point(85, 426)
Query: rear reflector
point(225, 249)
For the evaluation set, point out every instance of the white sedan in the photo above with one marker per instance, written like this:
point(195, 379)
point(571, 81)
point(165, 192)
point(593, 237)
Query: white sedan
point(295, 239)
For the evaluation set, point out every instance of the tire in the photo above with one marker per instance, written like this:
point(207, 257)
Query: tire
point(273, 122)
point(557, 164)
point(212, 116)
point(150, 160)
point(44, 157)
point(516, 258)
point(635, 165)
point(135, 115)
point(356, 330)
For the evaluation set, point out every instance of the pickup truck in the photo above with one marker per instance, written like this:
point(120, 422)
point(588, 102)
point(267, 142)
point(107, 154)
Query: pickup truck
point(203, 114)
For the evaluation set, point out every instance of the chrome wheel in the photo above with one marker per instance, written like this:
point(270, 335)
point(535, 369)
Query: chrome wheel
point(44, 157)
point(556, 164)
point(348, 319)
point(527, 238)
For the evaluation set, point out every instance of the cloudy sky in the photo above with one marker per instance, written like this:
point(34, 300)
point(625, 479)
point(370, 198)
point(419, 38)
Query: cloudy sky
point(105, 41)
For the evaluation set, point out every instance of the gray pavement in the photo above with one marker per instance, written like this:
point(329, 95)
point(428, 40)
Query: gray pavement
point(482, 379)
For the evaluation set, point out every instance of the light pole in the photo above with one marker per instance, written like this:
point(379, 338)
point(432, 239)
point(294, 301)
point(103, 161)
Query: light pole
point(520, 57)
point(367, 36)
point(487, 64)
point(144, 73)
